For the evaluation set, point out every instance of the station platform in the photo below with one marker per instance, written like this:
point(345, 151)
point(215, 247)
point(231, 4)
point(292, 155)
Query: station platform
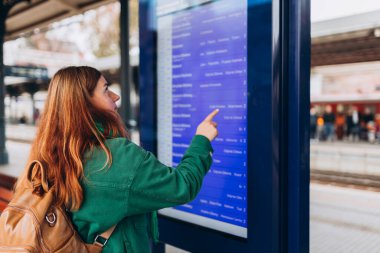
point(355, 158)
point(342, 219)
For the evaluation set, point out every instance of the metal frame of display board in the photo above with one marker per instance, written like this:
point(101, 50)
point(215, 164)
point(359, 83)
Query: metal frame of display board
point(278, 131)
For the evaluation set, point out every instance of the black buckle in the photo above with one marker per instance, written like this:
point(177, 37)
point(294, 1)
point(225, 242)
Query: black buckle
point(100, 241)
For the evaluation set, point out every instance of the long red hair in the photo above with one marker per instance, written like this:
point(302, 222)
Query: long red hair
point(67, 129)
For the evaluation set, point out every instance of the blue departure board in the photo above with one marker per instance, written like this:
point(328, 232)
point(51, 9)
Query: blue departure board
point(201, 66)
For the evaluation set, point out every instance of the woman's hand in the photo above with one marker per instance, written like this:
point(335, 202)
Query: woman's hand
point(207, 127)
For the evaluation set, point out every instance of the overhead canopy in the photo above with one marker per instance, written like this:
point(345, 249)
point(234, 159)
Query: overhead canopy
point(343, 40)
point(346, 40)
point(27, 16)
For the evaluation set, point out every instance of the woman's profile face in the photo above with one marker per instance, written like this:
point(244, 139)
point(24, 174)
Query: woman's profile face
point(104, 98)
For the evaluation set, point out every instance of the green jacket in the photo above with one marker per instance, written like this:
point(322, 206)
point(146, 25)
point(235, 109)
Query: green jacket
point(132, 189)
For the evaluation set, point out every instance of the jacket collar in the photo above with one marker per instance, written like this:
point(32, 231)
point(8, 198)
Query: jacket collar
point(101, 130)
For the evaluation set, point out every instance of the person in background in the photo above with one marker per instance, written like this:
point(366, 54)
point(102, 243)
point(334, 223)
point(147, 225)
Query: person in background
point(366, 123)
point(340, 122)
point(320, 128)
point(329, 121)
point(371, 132)
point(377, 126)
point(100, 176)
point(36, 116)
point(353, 124)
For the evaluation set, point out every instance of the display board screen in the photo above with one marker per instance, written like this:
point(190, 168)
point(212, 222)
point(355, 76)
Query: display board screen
point(201, 66)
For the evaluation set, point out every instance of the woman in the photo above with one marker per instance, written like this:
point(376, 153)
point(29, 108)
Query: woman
point(102, 177)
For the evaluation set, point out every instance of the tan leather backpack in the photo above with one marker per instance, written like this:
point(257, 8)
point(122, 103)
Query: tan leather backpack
point(31, 222)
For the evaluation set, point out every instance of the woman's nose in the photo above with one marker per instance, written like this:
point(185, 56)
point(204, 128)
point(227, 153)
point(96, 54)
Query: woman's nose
point(114, 96)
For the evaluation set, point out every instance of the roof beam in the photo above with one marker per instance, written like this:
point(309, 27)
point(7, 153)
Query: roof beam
point(68, 11)
point(72, 7)
point(28, 7)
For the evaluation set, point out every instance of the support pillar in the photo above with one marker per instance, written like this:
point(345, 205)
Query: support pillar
point(3, 150)
point(5, 6)
point(125, 69)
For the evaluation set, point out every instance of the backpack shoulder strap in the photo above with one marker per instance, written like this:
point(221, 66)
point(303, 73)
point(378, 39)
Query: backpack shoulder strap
point(37, 181)
point(102, 239)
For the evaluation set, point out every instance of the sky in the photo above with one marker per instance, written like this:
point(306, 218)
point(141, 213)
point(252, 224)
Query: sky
point(330, 9)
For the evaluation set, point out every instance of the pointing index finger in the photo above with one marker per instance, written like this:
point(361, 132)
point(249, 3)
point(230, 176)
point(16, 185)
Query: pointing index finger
point(211, 115)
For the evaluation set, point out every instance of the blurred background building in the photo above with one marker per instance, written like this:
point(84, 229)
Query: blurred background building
point(91, 38)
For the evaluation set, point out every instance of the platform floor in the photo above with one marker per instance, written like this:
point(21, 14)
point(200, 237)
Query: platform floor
point(344, 220)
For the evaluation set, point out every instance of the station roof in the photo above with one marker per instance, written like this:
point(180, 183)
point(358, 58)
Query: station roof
point(348, 39)
point(29, 15)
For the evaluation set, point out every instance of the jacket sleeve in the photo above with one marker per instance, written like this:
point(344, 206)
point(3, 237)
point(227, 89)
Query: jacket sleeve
point(157, 186)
